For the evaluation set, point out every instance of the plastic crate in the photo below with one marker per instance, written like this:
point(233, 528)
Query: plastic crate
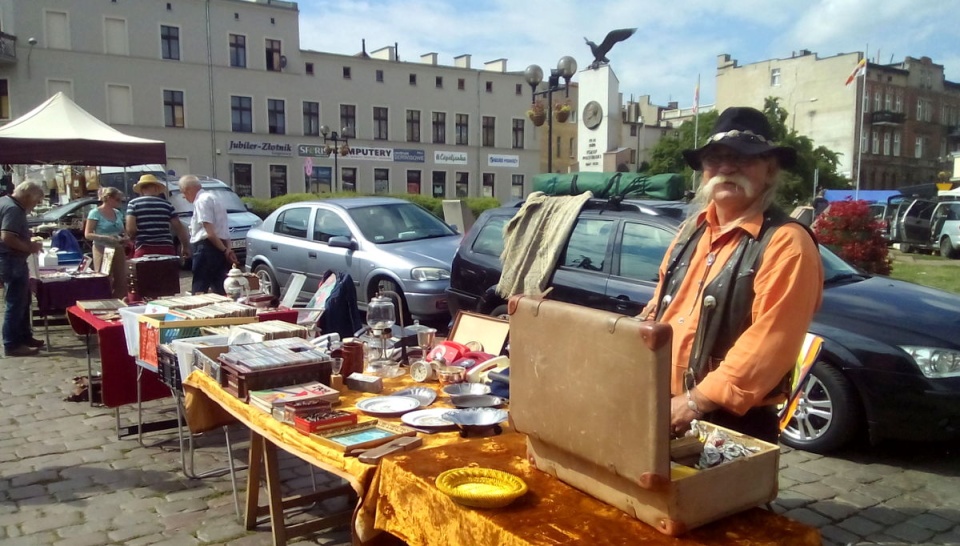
point(168, 368)
point(154, 331)
point(185, 350)
point(130, 317)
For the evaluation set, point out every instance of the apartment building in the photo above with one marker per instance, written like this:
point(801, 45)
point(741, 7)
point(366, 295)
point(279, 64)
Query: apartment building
point(895, 127)
point(227, 86)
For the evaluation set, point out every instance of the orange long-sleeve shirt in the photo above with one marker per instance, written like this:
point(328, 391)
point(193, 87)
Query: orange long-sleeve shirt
point(788, 288)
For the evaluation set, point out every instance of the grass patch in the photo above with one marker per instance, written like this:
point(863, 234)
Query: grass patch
point(928, 273)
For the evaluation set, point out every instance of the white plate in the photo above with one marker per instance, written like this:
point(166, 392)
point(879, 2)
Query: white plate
point(428, 418)
point(388, 405)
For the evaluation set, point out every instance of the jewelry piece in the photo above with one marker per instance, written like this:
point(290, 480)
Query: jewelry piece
point(692, 404)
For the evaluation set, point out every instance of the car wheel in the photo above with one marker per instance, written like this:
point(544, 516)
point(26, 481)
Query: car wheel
point(268, 281)
point(827, 414)
point(946, 249)
point(500, 312)
point(388, 285)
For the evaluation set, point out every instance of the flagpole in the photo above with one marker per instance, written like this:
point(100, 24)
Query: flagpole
point(861, 110)
point(696, 127)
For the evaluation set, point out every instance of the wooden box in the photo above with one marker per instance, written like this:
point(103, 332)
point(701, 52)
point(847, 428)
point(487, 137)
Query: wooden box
point(591, 389)
point(239, 380)
point(153, 277)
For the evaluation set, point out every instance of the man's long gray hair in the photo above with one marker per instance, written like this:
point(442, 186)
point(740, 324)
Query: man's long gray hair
point(705, 194)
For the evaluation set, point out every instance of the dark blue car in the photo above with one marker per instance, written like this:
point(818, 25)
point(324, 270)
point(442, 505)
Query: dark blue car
point(890, 363)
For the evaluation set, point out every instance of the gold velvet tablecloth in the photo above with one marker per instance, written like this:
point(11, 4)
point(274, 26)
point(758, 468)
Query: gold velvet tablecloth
point(399, 495)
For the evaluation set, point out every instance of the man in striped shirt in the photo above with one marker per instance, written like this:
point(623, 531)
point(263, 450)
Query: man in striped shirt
point(151, 221)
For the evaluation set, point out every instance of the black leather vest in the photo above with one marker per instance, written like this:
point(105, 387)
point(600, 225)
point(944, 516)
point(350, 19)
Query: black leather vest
point(727, 300)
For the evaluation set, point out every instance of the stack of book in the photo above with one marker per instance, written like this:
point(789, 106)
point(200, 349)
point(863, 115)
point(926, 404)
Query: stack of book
point(266, 331)
point(190, 302)
point(273, 400)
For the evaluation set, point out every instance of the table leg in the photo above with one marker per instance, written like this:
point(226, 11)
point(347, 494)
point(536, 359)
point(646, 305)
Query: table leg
point(255, 464)
point(46, 329)
point(274, 496)
point(90, 372)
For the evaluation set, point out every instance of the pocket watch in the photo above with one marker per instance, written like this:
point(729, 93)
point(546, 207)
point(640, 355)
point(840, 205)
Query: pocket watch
point(421, 371)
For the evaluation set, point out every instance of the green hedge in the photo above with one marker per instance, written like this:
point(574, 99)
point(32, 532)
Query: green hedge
point(263, 207)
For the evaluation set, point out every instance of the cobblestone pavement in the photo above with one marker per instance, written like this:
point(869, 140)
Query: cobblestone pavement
point(65, 478)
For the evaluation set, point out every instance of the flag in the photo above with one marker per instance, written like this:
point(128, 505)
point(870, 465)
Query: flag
point(858, 70)
point(696, 98)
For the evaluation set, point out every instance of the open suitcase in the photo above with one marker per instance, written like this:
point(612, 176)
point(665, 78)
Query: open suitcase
point(591, 389)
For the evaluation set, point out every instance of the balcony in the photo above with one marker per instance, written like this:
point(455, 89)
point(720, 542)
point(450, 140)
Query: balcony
point(886, 117)
point(953, 132)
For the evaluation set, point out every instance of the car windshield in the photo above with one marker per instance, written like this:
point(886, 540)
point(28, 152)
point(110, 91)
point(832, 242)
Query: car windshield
point(834, 268)
point(391, 223)
point(225, 196)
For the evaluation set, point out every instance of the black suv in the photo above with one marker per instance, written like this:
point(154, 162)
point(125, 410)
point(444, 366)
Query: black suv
point(890, 364)
point(610, 260)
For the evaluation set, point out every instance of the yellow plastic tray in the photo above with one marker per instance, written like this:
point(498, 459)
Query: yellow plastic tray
point(481, 487)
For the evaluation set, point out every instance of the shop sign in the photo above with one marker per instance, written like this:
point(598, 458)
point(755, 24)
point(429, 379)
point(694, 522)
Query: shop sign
point(252, 147)
point(500, 160)
point(369, 154)
point(409, 156)
point(310, 150)
point(450, 158)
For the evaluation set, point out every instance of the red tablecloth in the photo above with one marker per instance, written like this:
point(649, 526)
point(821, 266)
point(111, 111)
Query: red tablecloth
point(118, 367)
point(54, 295)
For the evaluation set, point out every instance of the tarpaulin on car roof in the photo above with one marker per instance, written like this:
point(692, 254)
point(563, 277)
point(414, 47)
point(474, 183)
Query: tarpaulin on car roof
point(668, 186)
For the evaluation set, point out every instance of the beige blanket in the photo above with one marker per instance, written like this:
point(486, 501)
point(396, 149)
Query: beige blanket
point(534, 239)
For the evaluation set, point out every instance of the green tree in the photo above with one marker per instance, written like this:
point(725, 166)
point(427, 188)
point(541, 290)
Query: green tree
point(666, 156)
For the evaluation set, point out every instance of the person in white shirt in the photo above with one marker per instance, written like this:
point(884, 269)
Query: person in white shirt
point(209, 237)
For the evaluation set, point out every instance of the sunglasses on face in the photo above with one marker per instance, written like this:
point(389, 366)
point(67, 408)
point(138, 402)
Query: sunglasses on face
point(713, 160)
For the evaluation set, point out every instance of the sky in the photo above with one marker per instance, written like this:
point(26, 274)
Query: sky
point(675, 41)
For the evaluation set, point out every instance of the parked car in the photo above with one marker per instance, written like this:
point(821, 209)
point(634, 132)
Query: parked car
point(890, 363)
point(379, 241)
point(911, 224)
point(72, 216)
point(945, 228)
point(239, 218)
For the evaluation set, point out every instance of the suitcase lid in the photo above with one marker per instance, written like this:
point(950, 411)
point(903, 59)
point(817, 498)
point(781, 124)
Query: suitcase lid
point(592, 383)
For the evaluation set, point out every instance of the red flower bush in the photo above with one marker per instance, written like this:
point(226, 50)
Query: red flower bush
point(848, 228)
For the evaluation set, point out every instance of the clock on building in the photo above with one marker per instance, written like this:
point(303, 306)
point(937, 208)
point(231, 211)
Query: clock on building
point(592, 114)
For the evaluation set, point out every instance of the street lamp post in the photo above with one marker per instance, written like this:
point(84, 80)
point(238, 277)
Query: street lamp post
point(639, 139)
point(339, 147)
point(566, 68)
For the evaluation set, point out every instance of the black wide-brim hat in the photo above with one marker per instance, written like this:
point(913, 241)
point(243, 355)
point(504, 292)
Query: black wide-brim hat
point(747, 131)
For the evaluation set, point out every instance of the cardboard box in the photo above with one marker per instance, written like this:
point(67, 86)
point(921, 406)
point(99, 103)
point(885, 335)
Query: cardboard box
point(591, 389)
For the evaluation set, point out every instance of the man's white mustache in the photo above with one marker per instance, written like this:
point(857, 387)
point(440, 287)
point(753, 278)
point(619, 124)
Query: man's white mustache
point(741, 181)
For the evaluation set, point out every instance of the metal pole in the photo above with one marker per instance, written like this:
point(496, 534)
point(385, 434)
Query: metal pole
point(336, 168)
point(859, 141)
point(550, 130)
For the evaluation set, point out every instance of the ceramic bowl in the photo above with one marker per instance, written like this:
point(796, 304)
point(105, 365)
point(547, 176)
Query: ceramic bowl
point(448, 375)
point(476, 417)
point(460, 389)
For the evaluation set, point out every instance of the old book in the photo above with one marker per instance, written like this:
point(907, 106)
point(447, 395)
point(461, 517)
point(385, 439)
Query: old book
point(271, 398)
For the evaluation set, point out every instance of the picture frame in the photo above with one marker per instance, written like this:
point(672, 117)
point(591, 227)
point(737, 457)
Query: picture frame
point(106, 262)
point(84, 264)
point(361, 436)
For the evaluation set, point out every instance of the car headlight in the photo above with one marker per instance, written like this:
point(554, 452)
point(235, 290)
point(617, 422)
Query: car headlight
point(935, 362)
point(429, 274)
point(256, 223)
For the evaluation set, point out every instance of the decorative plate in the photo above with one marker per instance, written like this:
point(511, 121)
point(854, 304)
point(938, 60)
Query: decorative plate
point(481, 487)
point(476, 417)
point(476, 401)
point(463, 389)
point(428, 418)
point(423, 394)
point(388, 406)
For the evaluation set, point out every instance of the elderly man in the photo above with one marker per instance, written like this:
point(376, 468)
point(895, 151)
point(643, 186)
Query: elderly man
point(15, 247)
point(739, 285)
point(152, 221)
point(209, 236)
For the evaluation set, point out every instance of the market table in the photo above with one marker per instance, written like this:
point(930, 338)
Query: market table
point(56, 293)
point(399, 496)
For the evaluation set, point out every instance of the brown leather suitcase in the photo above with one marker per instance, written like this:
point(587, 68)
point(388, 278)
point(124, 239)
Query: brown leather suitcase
point(591, 389)
point(154, 276)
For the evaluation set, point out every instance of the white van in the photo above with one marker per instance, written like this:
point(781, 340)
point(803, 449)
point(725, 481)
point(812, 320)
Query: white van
point(239, 218)
point(125, 178)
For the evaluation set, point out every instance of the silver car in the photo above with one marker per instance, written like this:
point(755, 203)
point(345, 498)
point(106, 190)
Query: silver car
point(379, 241)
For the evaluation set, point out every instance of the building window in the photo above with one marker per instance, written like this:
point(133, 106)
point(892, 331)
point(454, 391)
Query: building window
point(572, 147)
point(518, 134)
point(348, 120)
point(888, 101)
point(119, 104)
point(381, 181)
point(877, 101)
point(518, 89)
point(346, 72)
point(348, 179)
point(311, 118)
point(276, 117)
point(775, 77)
point(919, 109)
point(413, 79)
point(439, 128)
point(380, 123)
point(308, 68)
point(413, 182)
point(462, 185)
point(241, 114)
point(864, 142)
point(172, 108)
point(918, 148)
point(875, 149)
point(489, 87)
point(274, 55)
point(4, 100)
point(413, 125)
point(463, 129)
point(278, 180)
point(886, 144)
point(896, 144)
point(488, 183)
point(461, 84)
point(115, 36)
point(898, 103)
point(516, 186)
point(488, 125)
point(439, 186)
point(56, 29)
point(557, 150)
point(380, 76)
point(238, 51)
point(169, 43)
point(243, 179)
point(439, 82)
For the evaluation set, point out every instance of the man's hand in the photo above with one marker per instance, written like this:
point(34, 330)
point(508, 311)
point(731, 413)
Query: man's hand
point(35, 247)
point(680, 415)
point(231, 256)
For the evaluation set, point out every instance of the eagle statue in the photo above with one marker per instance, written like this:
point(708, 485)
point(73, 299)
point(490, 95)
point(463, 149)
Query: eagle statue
point(600, 51)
